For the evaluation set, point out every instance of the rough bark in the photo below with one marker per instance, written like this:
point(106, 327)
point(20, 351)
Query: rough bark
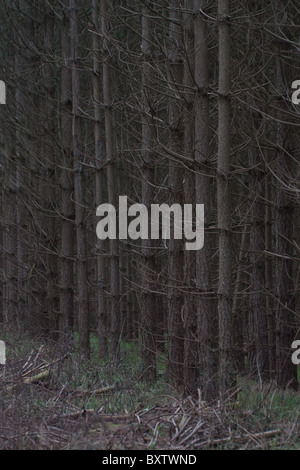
point(227, 379)
point(191, 345)
point(111, 185)
point(286, 371)
point(205, 312)
point(148, 304)
point(99, 162)
point(48, 183)
point(175, 296)
point(81, 260)
point(67, 186)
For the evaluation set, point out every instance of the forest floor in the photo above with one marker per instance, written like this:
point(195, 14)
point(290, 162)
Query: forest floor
point(53, 399)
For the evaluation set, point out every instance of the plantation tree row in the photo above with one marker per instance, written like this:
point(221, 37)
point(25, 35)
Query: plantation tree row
point(177, 102)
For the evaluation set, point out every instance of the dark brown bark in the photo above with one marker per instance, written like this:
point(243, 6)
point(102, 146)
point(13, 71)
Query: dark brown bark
point(191, 344)
point(205, 304)
point(81, 261)
point(286, 371)
point(47, 180)
point(99, 162)
point(67, 186)
point(227, 379)
point(175, 113)
point(148, 303)
point(258, 324)
point(115, 319)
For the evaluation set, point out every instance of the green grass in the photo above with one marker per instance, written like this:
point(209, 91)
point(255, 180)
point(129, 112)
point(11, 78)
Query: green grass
point(271, 403)
point(257, 409)
point(130, 392)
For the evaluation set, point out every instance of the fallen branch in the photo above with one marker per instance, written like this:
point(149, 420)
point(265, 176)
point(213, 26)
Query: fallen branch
point(98, 391)
point(243, 437)
point(37, 378)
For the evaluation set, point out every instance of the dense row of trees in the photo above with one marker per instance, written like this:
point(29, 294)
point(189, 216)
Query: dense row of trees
point(177, 102)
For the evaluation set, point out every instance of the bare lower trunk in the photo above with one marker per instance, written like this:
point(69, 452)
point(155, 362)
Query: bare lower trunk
point(175, 297)
point(111, 187)
point(81, 267)
point(148, 249)
point(9, 242)
point(191, 346)
point(258, 325)
point(67, 187)
point(205, 312)
point(224, 206)
point(48, 184)
point(99, 161)
point(286, 371)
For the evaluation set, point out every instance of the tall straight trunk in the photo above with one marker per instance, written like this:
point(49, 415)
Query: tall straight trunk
point(148, 248)
point(205, 307)
point(2, 234)
point(175, 297)
point(240, 323)
point(48, 184)
point(258, 320)
point(99, 161)
point(269, 275)
point(258, 325)
point(286, 371)
point(191, 356)
point(22, 101)
point(81, 261)
point(10, 238)
point(111, 186)
point(224, 206)
point(67, 186)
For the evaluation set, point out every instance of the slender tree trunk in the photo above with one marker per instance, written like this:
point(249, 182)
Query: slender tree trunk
point(239, 319)
point(81, 266)
point(286, 371)
point(224, 206)
point(48, 183)
point(205, 313)
point(67, 186)
point(191, 353)
point(258, 316)
point(2, 235)
point(175, 297)
point(10, 239)
point(111, 186)
point(101, 310)
point(22, 100)
point(148, 248)
point(259, 359)
point(269, 276)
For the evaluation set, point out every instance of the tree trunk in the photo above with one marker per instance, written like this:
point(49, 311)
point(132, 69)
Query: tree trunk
point(48, 183)
point(286, 371)
point(81, 266)
point(67, 186)
point(258, 325)
point(99, 161)
point(175, 297)
point(227, 380)
point(191, 345)
point(111, 186)
point(148, 249)
point(205, 312)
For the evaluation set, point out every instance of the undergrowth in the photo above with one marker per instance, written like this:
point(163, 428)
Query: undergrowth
point(75, 381)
